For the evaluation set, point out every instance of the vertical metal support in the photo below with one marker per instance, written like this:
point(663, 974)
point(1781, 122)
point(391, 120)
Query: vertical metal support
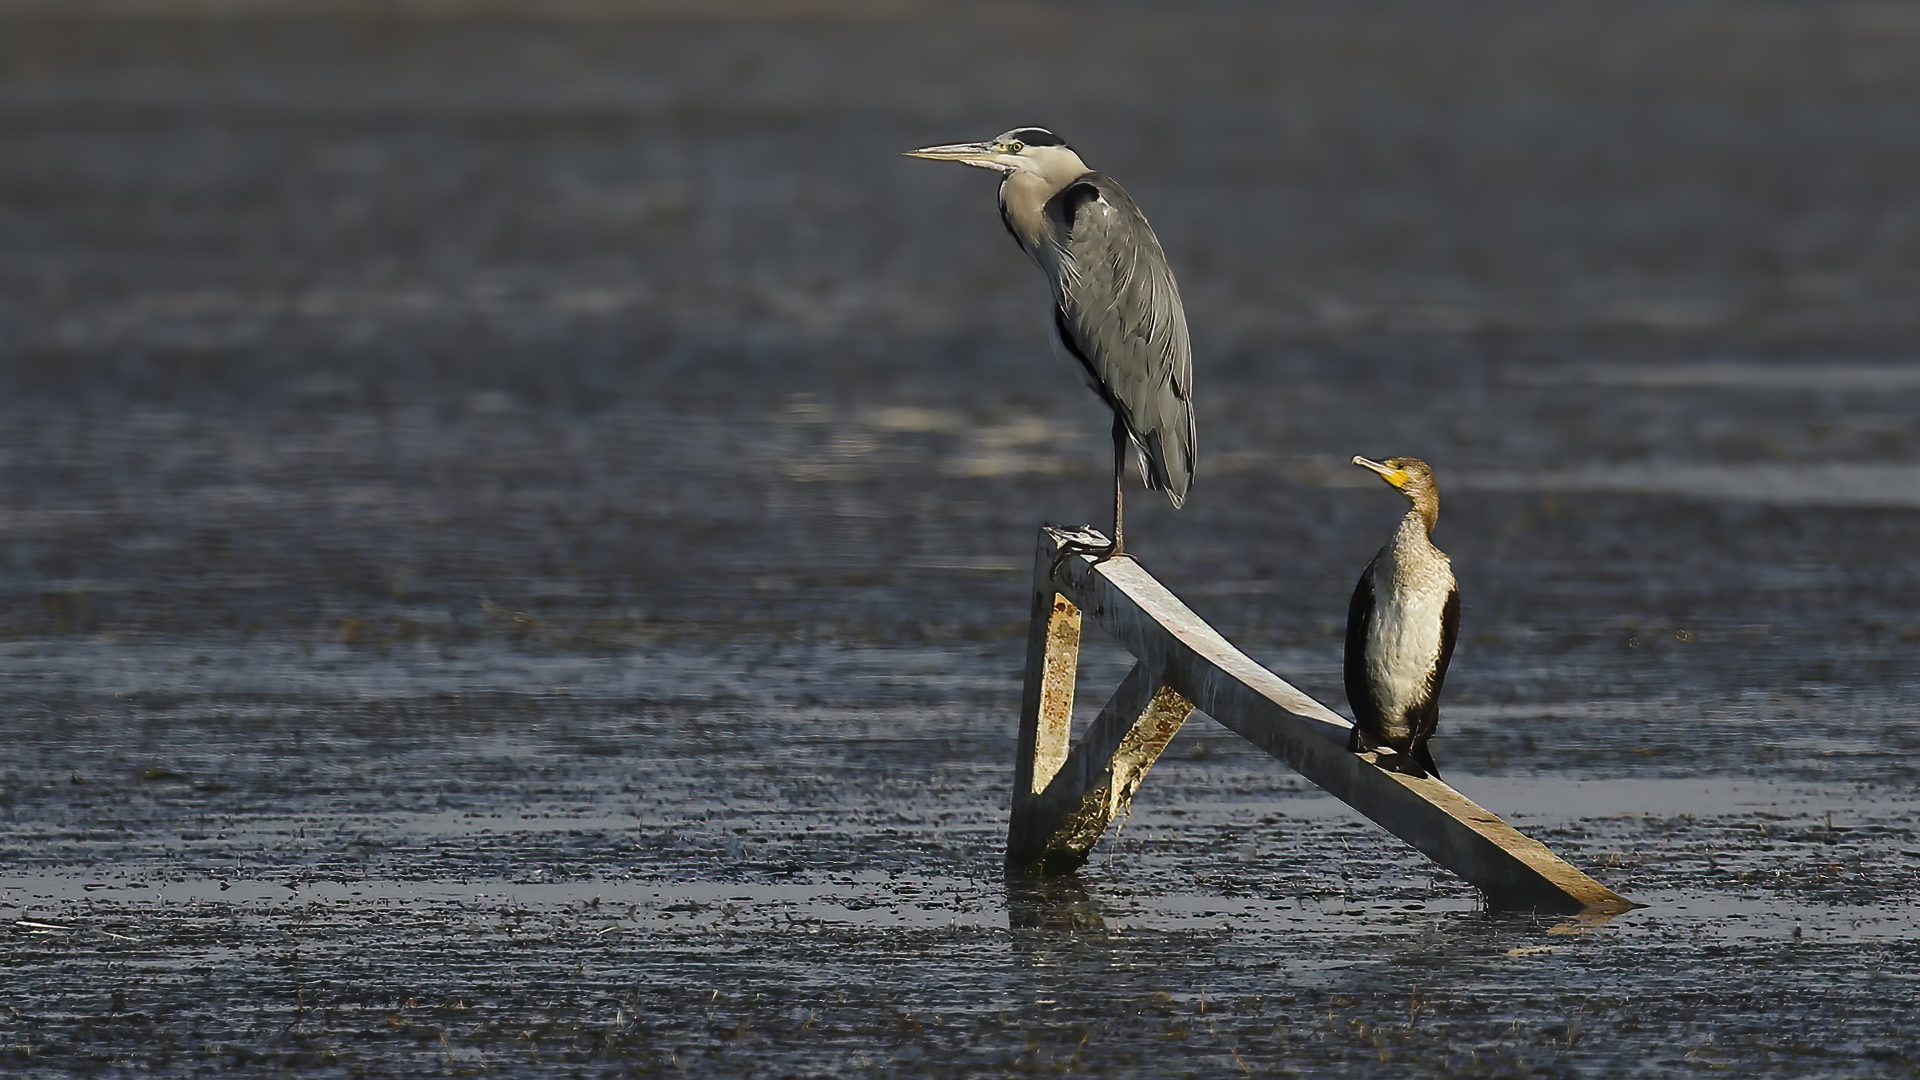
point(1046, 700)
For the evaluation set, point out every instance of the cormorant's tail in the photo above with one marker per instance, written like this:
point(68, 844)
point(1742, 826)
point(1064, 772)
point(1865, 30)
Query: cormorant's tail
point(1425, 757)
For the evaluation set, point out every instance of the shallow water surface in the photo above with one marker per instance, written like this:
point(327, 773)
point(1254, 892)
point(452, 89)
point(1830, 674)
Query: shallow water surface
point(514, 536)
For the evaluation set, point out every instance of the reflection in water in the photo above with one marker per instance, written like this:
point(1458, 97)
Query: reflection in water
point(1052, 903)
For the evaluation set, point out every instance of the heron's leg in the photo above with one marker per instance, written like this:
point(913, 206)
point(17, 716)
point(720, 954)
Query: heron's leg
point(1119, 488)
point(1117, 545)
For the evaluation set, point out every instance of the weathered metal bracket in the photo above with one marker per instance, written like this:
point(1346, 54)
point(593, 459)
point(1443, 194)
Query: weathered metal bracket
point(1065, 796)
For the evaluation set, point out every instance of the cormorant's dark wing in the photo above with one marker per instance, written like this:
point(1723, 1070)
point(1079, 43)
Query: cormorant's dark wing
point(1449, 634)
point(1118, 311)
point(1366, 711)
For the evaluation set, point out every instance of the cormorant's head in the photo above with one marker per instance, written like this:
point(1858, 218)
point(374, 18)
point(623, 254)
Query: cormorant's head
point(1415, 480)
point(1024, 149)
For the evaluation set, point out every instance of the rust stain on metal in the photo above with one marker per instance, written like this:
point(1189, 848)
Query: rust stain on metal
point(1057, 677)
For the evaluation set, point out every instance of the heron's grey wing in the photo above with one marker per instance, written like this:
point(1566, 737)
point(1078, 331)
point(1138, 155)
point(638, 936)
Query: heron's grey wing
point(1118, 310)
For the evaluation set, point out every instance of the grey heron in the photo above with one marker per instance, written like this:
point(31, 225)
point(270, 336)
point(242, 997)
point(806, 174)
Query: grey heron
point(1116, 310)
point(1401, 627)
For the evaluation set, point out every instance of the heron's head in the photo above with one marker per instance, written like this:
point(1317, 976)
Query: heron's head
point(1026, 149)
point(1415, 480)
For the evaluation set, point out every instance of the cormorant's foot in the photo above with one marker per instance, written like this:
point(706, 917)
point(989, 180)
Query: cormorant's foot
point(1405, 766)
point(1388, 759)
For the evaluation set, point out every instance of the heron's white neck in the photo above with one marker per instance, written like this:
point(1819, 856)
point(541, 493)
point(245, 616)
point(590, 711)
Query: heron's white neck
point(1040, 174)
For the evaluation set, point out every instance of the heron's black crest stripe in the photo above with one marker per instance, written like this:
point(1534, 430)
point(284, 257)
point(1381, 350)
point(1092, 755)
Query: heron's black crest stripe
point(1038, 137)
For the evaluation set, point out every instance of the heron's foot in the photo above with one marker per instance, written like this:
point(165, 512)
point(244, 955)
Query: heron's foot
point(1100, 552)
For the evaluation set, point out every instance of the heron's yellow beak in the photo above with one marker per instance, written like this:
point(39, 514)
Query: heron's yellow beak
point(984, 154)
point(1396, 477)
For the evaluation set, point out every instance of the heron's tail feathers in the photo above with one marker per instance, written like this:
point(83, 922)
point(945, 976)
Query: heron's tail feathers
point(1167, 460)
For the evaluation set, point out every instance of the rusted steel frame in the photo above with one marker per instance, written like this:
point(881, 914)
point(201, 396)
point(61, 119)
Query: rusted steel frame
point(1059, 826)
point(1514, 871)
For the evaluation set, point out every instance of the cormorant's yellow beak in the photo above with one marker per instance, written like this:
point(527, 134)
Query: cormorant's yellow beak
point(984, 154)
point(1396, 477)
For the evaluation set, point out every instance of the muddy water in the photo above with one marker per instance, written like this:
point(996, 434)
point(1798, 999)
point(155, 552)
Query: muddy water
point(513, 537)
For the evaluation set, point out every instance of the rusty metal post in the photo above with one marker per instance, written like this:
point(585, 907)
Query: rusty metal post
point(1046, 700)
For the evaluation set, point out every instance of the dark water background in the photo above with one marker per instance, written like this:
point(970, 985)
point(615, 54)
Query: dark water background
point(514, 523)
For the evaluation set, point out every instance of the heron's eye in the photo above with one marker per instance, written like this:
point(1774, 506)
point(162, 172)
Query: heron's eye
point(1016, 146)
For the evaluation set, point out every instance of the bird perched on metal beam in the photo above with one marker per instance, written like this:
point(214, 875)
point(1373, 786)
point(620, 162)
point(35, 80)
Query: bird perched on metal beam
point(1116, 310)
point(1401, 627)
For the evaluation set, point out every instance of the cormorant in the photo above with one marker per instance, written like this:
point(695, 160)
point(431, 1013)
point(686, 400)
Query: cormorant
point(1401, 627)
